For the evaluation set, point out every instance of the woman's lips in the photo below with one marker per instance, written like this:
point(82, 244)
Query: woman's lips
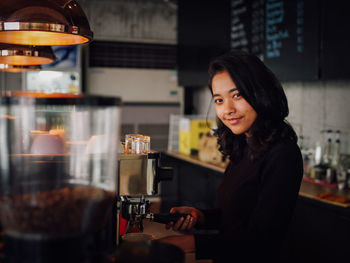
point(234, 121)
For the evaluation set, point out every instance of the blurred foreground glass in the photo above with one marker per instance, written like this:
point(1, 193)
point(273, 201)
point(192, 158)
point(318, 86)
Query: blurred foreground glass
point(58, 165)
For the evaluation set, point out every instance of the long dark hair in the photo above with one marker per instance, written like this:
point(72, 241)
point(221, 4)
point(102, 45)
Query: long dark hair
point(263, 91)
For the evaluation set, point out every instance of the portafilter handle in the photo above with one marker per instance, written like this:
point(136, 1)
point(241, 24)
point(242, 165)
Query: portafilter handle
point(165, 218)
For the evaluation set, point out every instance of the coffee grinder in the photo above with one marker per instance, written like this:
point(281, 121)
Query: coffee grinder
point(58, 176)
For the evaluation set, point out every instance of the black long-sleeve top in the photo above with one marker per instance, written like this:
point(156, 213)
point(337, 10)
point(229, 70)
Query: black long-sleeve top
point(256, 199)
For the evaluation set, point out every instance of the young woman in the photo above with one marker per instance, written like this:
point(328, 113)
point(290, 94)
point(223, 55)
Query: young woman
point(260, 186)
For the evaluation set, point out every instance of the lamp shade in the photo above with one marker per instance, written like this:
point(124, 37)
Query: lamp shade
point(18, 69)
point(20, 55)
point(43, 23)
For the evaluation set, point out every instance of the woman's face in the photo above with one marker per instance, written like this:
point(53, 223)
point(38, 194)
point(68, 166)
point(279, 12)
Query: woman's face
point(231, 108)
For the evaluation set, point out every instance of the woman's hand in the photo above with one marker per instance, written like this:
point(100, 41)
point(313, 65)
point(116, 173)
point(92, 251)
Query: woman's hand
point(194, 216)
point(185, 242)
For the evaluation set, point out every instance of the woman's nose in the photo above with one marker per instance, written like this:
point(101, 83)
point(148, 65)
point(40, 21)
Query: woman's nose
point(229, 107)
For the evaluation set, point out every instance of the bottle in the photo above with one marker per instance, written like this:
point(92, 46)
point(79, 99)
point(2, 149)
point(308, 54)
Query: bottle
point(128, 143)
point(318, 154)
point(146, 144)
point(333, 161)
point(341, 174)
point(327, 156)
point(316, 169)
point(137, 144)
point(336, 151)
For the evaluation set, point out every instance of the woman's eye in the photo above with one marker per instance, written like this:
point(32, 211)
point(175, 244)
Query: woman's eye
point(216, 101)
point(237, 95)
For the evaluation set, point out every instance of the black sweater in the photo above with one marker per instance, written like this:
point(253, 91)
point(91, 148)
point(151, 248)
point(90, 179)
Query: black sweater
point(256, 199)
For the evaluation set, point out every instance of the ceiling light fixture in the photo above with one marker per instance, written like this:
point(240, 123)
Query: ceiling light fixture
point(20, 55)
point(18, 69)
point(43, 23)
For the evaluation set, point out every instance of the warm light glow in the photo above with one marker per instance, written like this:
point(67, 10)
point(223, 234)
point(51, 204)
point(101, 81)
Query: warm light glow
point(24, 55)
point(10, 117)
point(18, 69)
point(24, 60)
point(41, 38)
point(43, 23)
point(38, 154)
point(41, 94)
point(11, 26)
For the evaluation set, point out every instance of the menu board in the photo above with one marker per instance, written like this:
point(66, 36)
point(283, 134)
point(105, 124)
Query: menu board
point(335, 53)
point(299, 40)
point(247, 26)
point(282, 33)
point(203, 33)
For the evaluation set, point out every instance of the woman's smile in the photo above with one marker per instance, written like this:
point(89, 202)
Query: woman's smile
point(234, 121)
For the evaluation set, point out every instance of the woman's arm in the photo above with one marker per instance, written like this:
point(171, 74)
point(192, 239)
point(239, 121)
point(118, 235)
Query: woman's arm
point(200, 219)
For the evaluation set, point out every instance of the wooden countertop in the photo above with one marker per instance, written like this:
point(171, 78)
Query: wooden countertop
point(307, 189)
point(312, 190)
point(158, 231)
point(194, 159)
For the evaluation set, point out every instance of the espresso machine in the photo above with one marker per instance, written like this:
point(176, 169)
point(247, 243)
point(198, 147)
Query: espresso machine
point(139, 177)
point(58, 171)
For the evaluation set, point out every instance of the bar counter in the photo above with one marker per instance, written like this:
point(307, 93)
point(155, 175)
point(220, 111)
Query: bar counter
point(320, 228)
point(307, 189)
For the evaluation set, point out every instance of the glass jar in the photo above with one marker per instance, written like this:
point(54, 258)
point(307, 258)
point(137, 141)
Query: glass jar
point(57, 183)
point(128, 142)
point(137, 144)
point(146, 144)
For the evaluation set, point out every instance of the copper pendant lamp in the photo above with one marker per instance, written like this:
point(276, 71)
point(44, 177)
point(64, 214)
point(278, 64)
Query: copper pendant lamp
point(43, 23)
point(18, 69)
point(20, 55)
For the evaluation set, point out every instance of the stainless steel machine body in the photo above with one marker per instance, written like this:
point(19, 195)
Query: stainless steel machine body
point(139, 176)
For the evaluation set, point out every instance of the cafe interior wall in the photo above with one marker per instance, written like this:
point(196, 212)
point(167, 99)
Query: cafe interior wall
point(149, 95)
point(313, 107)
